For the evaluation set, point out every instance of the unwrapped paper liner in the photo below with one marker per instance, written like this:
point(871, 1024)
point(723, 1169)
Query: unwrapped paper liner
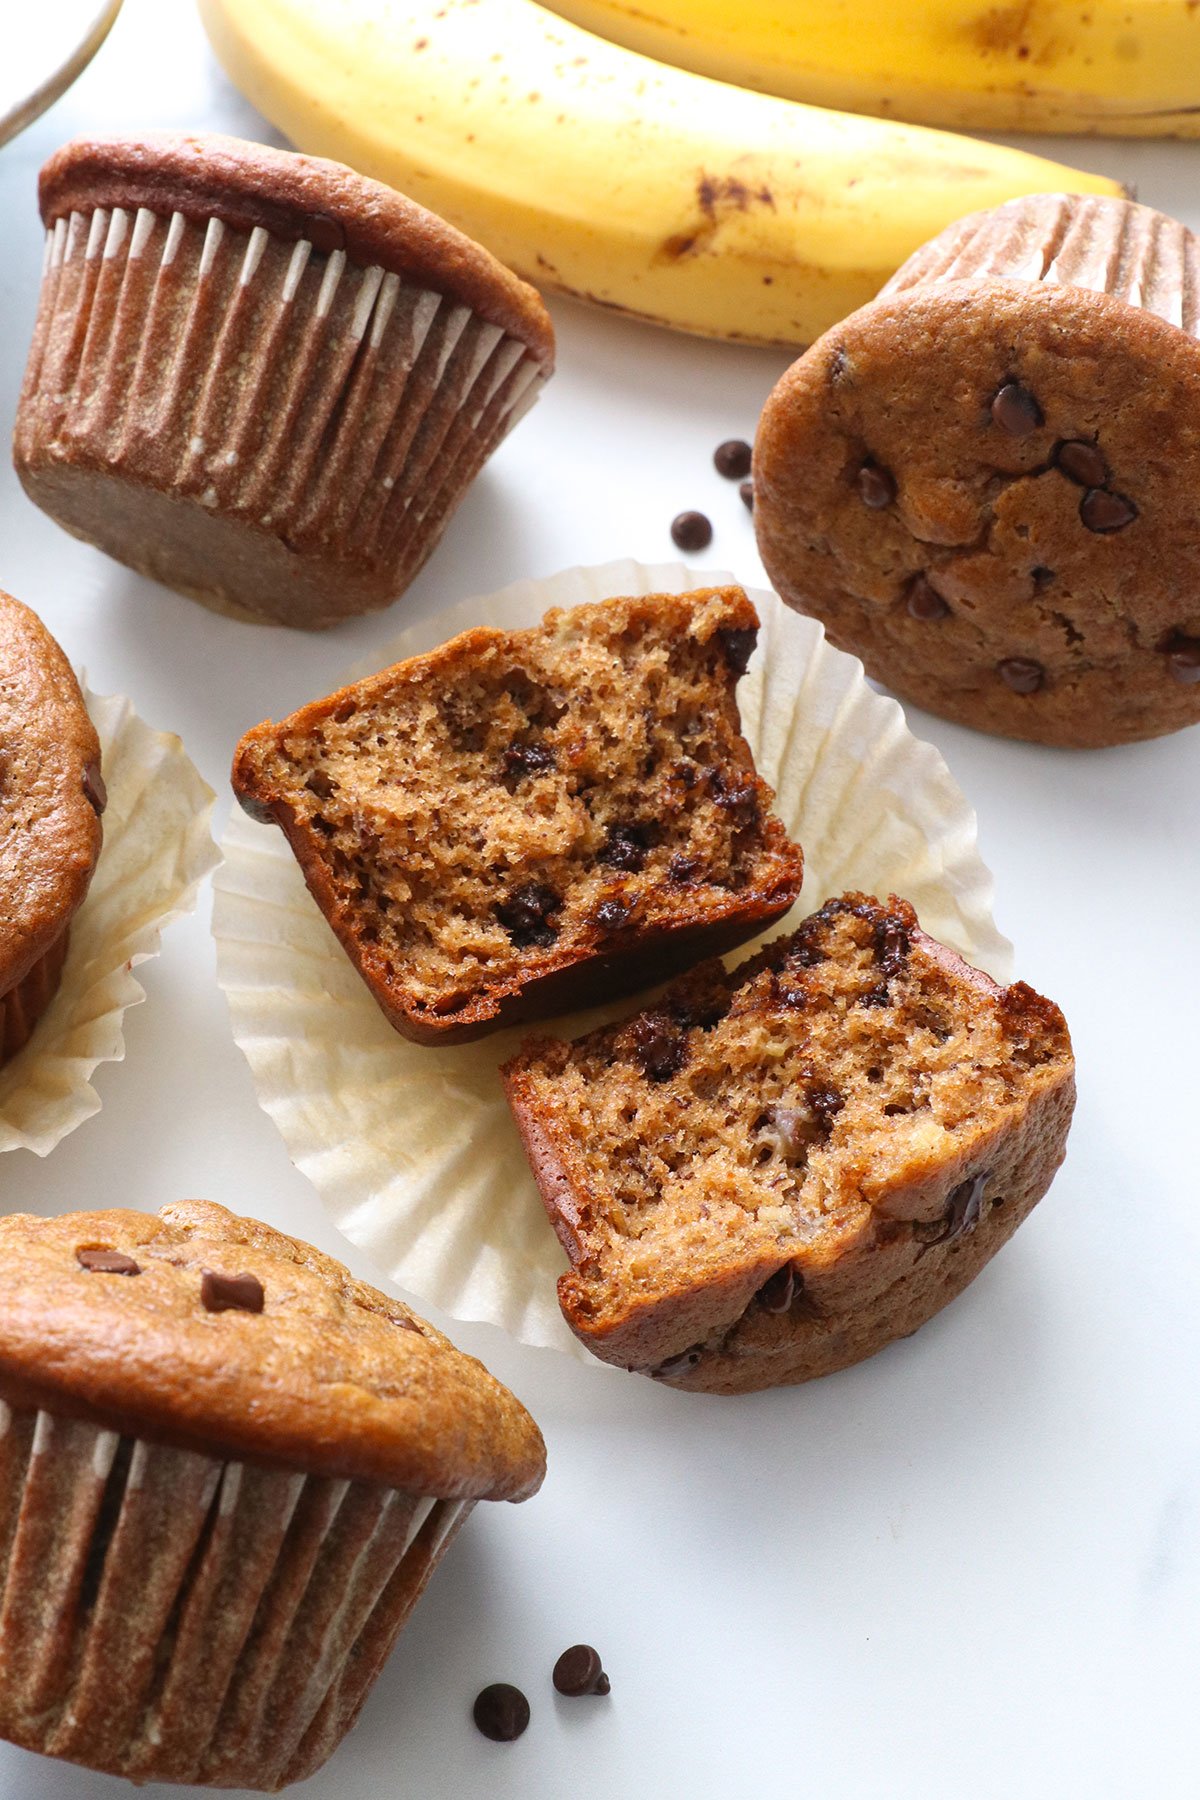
point(412, 1148)
point(157, 850)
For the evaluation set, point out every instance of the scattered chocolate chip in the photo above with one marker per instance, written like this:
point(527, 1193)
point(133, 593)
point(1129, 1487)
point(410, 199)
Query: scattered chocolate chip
point(747, 492)
point(610, 915)
point(320, 784)
point(732, 459)
point(691, 531)
point(1081, 462)
point(876, 486)
point(94, 789)
point(924, 601)
point(963, 1211)
point(230, 1293)
point(1041, 576)
point(528, 759)
point(501, 1712)
point(625, 848)
point(891, 947)
point(525, 912)
point(1021, 674)
point(345, 711)
point(658, 1045)
point(738, 644)
point(255, 809)
point(738, 798)
point(1183, 657)
point(677, 1365)
point(682, 868)
point(579, 1671)
point(1103, 511)
point(107, 1262)
point(826, 1104)
point(1015, 410)
point(776, 1293)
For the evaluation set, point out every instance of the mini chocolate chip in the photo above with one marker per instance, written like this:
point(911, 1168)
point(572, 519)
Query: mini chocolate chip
point(682, 868)
point(963, 1211)
point(230, 1293)
point(94, 789)
point(924, 601)
point(677, 1365)
point(1081, 462)
point(107, 1262)
point(625, 848)
point(1183, 657)
point(747, 492)
point(528, 759)
point(1015, 410)
point(826, 1104)
point(579, 1671)
point(732, 459)
point(876, 486)
point(256, 809)
point(1103, 511)
point(524, 914)
point(501, 1712)
point(610, 915)
point(320, 784)
point(738, 644)
point(658, 1045)
point(691, 531)
point(1021, 674)
point(737, 797)
point(775, 1294)
point(891, 947)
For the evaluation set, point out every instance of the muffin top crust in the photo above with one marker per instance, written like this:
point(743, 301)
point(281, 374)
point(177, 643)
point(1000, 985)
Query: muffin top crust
point(292, 196)
point(198, 1328)
point(51, 792)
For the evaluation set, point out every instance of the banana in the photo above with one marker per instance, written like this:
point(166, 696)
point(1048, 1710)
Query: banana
point(1125, 66)
point(597, 173)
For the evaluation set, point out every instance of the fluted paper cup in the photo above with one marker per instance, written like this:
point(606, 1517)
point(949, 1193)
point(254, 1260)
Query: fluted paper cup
point(279, 433)
point(412, 1147)
point(157, 849)
point(167, 1615)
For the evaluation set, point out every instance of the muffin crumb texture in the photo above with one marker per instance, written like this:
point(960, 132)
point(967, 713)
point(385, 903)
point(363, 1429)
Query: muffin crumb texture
point(770, 1174)
point(519, 820)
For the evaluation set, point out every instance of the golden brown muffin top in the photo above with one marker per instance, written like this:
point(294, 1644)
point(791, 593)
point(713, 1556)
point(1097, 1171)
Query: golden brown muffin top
point(291, 196)
point(51, 792)
point(199, 1328)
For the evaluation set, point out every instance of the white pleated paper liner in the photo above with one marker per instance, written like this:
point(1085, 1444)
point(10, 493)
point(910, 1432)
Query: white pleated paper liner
point(157, 849)
point(412, 1148)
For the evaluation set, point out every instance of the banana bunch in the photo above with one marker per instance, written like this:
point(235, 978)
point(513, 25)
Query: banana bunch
point(596, 172)
point(1124, 66)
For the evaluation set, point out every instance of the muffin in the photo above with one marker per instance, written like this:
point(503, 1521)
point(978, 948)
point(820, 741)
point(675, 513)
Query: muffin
point(987, 483)
point(51, 798)
point(773, 1173)
point(260, 378)
point(523, 822)
point(227, 1470)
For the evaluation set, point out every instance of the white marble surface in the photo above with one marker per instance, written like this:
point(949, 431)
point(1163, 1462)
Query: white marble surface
point(968, 1570)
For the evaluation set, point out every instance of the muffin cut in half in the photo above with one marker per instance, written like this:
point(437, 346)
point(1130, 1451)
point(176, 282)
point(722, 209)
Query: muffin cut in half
point(772, 1173)
point(519, 823)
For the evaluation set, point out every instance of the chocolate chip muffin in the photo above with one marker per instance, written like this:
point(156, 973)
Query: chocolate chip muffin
point(51, 798)
point(523, 822)
point(773, 1173)
point(261, 378)
point(987, 482)
point(227, 1470)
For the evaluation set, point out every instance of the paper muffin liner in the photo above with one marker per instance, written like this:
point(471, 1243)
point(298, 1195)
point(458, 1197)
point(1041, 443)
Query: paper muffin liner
point(157, 849)
point(1115, 247)
point(339, 407)
point(166, 1615)
point(411, 1147)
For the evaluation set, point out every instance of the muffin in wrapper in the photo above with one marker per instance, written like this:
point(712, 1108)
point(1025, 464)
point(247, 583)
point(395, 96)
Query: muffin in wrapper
point(230, 1482)
point(260, 378)
point(51, 798)
point(986, 483)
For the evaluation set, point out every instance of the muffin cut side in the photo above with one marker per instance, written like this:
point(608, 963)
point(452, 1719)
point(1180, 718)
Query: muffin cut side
point(797, 1145)
point(523, 821)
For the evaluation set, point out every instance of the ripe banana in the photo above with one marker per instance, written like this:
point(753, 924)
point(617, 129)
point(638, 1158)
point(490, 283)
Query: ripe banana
point(1124, 66)
point(595, 172)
